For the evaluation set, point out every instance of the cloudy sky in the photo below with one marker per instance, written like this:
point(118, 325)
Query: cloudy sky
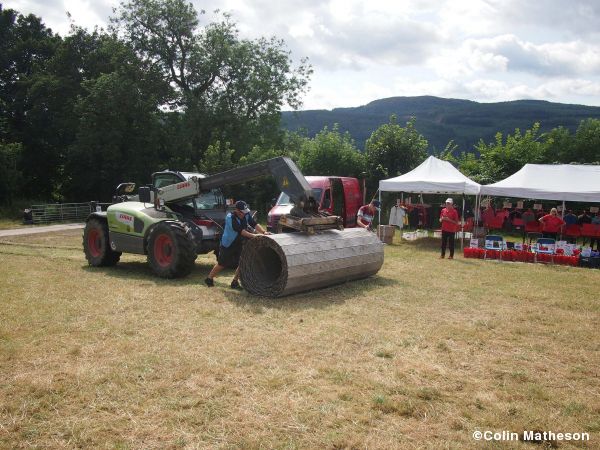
point(362, 50)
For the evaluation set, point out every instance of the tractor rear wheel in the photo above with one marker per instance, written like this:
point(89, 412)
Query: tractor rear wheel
point(171, 250)
point(96, 244)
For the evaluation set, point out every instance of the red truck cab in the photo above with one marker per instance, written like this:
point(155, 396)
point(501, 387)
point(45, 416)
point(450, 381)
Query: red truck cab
point(340, 196)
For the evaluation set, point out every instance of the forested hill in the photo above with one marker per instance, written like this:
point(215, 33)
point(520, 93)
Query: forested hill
point(441, 120)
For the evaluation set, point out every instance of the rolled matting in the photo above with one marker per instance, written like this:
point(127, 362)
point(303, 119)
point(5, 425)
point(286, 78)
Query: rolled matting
point(283, 264)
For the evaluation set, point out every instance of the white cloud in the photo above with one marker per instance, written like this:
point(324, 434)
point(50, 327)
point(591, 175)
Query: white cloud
point(85, 13)
point(508, 53)
point(486, 50)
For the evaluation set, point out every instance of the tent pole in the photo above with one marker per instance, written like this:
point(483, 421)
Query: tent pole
point(462, 225)
point(477, 210)
point(562, 216)
point(379, 218)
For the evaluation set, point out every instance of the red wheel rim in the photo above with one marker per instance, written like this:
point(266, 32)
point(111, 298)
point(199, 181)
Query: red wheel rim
point(163, 250)
point(94, 242)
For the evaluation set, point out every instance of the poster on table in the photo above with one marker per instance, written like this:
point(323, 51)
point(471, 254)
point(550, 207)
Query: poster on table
point(586, 252)
point(546, 248)
point(519, 246)
point(491, 244)
point(474, 243)
point(561, 245)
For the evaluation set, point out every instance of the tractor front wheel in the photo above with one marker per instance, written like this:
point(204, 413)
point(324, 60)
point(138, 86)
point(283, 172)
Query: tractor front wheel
point(96, 245)
point(171, 250)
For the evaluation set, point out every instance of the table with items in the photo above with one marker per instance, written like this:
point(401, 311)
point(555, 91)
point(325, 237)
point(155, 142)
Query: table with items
point(561, 253)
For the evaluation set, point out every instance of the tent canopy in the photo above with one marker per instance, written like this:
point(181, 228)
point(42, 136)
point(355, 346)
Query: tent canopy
point(433, 176)
point(567, 182)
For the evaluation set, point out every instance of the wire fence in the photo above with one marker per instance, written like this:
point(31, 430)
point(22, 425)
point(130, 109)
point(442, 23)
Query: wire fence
point(64, 212)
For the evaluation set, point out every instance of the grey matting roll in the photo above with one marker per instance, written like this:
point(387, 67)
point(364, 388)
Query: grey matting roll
point(283, 264)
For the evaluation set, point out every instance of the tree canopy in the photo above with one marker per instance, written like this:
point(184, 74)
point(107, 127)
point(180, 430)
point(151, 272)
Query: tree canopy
point(158, 89)
point(231, 89)
point(167, 87)
point(507, 154)
point(331, 153)
point(393, 150)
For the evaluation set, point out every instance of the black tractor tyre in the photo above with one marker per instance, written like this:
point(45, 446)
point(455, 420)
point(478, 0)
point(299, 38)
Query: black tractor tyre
point(171, 250)
point(96, 244)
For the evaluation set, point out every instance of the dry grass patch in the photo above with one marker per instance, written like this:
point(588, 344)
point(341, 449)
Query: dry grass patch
point(6, 223)
point(419, 356)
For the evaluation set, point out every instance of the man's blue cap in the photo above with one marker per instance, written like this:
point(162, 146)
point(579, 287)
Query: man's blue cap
point(376, 204)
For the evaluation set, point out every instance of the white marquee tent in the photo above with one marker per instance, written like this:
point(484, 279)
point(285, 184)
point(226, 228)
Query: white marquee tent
point(566, 182)
point(433, 176)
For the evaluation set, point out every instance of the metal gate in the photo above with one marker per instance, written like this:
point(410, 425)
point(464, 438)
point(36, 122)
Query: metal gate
point(60, 212)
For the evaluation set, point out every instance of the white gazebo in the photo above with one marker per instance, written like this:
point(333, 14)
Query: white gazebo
point(432, 176)
point(566, 182)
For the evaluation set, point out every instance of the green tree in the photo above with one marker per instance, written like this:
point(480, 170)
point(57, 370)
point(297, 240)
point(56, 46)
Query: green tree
point(393, 150)
point(217, 158)
point(586, 146)
point(504, 157)
point(113, 115)
point(290, 145)
point(231, 89)
point(112, 148)
point(331, 153)
point(26, 48)
point(559, 144)
point(11, 178)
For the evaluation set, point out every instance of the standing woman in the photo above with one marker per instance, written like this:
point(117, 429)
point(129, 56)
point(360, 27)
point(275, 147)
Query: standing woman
point(551, 224)
point(450, 223)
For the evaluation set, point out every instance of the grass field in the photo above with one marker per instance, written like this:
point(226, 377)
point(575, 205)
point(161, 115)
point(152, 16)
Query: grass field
point(419, 356)
point(9, 223)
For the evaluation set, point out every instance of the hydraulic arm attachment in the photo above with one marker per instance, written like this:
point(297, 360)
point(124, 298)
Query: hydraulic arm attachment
point(305, 215)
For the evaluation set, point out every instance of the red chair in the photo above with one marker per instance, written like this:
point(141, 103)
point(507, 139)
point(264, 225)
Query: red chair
point(468, 225)
point(533, 230)
point(495, 224)
point(572, 231)
point(590, 230)
point(518, 224)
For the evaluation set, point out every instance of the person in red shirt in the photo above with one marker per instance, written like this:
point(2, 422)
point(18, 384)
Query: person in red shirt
point(551, 224)
point(366, 215)
point(488, 214)
point(450, 224)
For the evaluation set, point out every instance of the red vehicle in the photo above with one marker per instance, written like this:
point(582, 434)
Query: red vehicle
point(340, 196)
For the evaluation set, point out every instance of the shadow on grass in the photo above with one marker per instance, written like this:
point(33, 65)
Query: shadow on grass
point(336, 294)
point(428, 244)
point(140, 270)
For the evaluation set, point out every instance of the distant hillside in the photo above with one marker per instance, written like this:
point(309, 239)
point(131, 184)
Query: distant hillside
point(441, 119)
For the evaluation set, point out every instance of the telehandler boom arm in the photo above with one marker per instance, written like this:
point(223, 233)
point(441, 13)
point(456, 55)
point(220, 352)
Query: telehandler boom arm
point(287, 175)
